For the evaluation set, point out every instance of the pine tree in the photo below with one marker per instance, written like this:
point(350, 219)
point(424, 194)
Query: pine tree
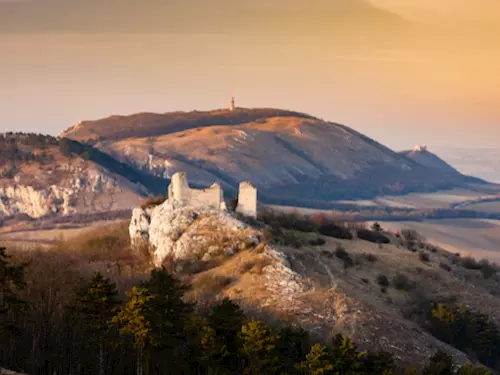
point(168, 310)
point(214, 352)
point(444, 324)
point(345, 355)
point(11, 281)
point(293, 344)
point(470, 369)
point(97, 302)
point(377, 363)
point(443, 314)
point(65, 147)
point(224, 326)
point(317, 362)
point(376, 227)
point(226, 318)
point(412, 371)
point(259, 349)
point(155, 316)
point(440, 364)
point(167, 314)
point(132, 321)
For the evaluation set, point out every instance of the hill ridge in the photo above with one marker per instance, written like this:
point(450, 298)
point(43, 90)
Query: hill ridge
point(422, 155)
point(169, 122)
point(292, 157)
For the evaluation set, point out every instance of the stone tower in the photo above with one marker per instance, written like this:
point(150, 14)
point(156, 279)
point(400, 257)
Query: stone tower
point(178, 189)
point(232, 107)
point(247, 199)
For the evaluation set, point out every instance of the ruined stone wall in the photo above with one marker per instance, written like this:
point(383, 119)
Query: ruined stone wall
point(210, 197)
point(179, 191)
point(247, 199)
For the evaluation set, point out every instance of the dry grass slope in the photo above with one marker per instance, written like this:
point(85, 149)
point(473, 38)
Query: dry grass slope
point(330, 288)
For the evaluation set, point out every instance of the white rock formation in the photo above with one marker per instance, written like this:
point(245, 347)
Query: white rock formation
point(186, 232)
point(66, 189)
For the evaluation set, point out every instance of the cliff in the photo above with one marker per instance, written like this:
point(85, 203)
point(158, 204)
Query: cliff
point(187, 232)
point(39, 177)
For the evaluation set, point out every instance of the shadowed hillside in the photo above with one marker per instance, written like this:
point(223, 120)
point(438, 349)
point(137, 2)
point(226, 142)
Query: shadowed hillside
point(423, 156)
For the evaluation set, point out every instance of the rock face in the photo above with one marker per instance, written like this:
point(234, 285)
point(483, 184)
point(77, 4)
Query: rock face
point(80, 188)
point(41, 175)
point(185, 232)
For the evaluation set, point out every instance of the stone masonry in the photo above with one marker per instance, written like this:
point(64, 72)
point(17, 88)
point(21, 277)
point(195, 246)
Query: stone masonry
point(213, 197)
point(247, 199)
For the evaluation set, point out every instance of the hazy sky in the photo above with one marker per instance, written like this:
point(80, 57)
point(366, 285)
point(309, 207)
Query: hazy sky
point(402, 71)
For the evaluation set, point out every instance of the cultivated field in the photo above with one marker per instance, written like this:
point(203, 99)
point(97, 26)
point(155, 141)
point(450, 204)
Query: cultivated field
point(475, 237)
point(439, 199)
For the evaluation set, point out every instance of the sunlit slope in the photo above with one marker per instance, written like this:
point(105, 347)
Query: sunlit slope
point(289, 156)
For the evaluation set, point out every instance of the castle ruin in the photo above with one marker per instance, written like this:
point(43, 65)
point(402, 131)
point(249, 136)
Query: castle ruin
point(247, 199)
point(213, 196)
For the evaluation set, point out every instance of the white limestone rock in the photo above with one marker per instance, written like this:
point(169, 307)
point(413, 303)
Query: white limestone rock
point(80, 188)
point(139, 224)
point(35, 203)
point(186, 232)
point(279, 276)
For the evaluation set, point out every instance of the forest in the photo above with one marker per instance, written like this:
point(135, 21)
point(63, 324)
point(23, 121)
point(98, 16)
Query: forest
point(152, 329)
point(19, 147)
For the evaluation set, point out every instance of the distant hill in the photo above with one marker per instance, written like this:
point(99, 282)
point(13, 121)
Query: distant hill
point(293, 158)
point(421, 155)
point(480, 162)
point(154, 124)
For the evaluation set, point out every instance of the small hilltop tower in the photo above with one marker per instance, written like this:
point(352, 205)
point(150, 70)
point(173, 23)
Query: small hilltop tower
point(232, 107)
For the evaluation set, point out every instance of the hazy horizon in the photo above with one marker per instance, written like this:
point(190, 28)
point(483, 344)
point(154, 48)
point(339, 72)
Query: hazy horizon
point(402, 72)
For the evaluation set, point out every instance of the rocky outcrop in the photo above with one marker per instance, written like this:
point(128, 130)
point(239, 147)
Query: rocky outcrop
point(35, 203)
point(66, 189)
point(185, 232)
point(202, 234)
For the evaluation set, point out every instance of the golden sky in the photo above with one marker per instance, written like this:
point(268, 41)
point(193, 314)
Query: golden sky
point(402, 71)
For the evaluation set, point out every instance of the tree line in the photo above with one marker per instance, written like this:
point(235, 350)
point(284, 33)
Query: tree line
point(18, 147)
